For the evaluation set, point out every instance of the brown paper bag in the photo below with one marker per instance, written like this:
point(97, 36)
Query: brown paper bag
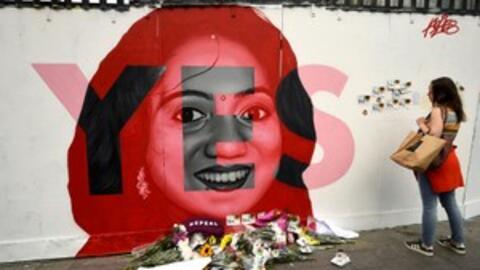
point(417, 151)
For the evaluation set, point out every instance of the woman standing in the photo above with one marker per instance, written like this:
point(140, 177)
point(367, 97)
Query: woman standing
point(443, 121)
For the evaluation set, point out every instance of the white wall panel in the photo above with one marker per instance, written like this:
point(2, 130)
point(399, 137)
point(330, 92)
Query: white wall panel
point(36, 130)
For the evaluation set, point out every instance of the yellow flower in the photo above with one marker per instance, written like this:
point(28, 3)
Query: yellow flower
point(227, 238)
point(212, 240)
point(311, 241)
point(206, 250)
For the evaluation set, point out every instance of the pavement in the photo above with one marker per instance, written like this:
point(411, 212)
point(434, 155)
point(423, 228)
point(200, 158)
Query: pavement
point(375, 249)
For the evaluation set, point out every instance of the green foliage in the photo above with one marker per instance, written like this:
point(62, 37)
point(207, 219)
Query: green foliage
point(162, 252)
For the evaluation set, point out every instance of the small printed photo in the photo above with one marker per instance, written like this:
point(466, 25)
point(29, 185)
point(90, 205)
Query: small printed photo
point(248, 219)
point(233, 220)
point(378, 107)
point(378, 90)
point(400, 91)
point(407, 101)
point(362, 99)
point(392, 83)
point(398, 88)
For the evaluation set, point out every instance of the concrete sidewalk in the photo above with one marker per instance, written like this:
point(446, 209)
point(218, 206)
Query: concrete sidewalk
point(376, 249)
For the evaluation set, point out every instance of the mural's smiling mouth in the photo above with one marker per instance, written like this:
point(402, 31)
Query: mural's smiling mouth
point(225, 178)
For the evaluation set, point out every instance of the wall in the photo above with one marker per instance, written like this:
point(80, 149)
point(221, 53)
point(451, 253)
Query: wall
point(472, 203)
point(354, 52)
point(370, 49)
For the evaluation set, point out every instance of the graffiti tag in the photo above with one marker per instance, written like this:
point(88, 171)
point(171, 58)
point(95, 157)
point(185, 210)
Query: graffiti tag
point(439, 25)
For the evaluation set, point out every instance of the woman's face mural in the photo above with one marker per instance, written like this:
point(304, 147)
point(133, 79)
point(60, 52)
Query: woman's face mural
point(199, 116)
point(215, 143)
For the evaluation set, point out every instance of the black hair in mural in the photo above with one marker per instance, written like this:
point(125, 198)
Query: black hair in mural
point(294, 106)
point(102, 121)
point(295, 109)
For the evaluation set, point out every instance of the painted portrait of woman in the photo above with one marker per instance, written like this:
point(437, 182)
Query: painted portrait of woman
point(196, 112)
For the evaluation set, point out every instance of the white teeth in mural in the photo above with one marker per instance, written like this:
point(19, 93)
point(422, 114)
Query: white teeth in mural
point(223, 177)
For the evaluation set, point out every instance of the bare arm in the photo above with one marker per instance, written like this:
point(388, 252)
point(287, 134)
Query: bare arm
point(422, 124)
point(435, 124)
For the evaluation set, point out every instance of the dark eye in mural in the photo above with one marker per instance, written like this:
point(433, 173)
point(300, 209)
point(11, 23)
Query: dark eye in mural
point(187, 115)
point(254, 114)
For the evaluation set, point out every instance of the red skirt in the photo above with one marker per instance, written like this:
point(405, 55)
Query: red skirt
point(448, 176)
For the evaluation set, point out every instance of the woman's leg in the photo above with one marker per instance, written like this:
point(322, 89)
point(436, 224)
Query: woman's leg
point(449, 202)
point(429, 213)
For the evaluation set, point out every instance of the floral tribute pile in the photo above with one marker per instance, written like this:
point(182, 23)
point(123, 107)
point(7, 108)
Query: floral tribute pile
point(273, 237)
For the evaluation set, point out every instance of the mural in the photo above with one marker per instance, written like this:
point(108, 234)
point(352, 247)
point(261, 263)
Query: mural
point(194, 113)
point(200, 117)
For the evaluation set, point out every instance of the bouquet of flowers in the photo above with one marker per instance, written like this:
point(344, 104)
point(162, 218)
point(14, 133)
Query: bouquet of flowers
point(274, 237)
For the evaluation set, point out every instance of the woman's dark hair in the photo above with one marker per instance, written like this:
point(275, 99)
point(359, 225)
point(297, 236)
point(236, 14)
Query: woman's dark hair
point(445, 93)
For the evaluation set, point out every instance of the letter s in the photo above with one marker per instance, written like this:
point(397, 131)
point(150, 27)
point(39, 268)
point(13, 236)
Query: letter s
point(333, 134)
